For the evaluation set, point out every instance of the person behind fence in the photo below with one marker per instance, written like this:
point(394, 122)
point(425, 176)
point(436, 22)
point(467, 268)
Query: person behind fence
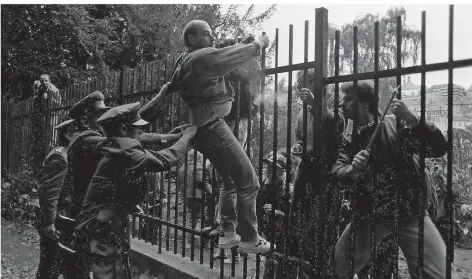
point(440, 182)
point(393, 159)
point(117, 186)
point(43, 90)
point(203, 199)
point(274, 193)
point(301, 223)
point(199, 74)
point(249, 81)
point(51, 181)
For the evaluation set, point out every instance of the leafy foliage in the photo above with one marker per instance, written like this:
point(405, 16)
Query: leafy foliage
point(77, 42)
point(20, 196)
point(410, 42)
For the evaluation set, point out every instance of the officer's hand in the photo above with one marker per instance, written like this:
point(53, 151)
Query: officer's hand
point(179, 129)
point(164, 89)
point(359, 162)
point(263, 41)
point(401, 110)
point(45, 95)
point(191, 131)
point(307, 97)
point(50, 231)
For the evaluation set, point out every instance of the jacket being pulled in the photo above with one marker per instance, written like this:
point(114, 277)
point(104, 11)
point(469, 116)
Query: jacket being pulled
point(200, 76)
point(119, 183)
point(393, 165)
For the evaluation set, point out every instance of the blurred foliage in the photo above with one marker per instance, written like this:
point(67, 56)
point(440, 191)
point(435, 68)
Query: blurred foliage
point(77, 42)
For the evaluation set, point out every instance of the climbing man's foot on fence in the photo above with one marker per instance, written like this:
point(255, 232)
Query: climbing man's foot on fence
point(258, 246)
point(228, 240)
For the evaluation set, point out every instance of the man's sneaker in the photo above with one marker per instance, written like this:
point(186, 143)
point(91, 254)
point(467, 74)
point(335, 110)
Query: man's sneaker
point(259, 246)
point(228, 240)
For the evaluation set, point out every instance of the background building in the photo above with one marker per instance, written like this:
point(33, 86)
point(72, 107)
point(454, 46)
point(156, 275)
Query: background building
point(437, 102)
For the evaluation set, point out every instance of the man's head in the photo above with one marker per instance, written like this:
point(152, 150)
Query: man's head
point(359, 101)
point(439, 164)
point(123, 121)
point(66, 131)
point(198, 34)
point(88, 110)
point(44, 79)
point(280, 160)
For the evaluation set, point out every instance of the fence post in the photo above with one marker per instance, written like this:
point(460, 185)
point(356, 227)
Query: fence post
point(123, 86)
point(319, 179)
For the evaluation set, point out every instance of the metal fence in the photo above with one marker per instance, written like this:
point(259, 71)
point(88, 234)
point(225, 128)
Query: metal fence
point(168, 222)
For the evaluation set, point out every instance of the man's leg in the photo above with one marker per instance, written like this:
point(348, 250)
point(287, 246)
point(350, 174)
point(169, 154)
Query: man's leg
point(219, 145)
point(362, 247)
point(434, 257)
point(47, 268)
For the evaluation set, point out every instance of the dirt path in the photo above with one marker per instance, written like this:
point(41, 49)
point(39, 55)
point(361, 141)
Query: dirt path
point(20, 251)
point(20, 254)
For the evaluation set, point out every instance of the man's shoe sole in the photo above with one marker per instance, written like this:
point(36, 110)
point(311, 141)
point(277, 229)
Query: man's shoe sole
point(253, 250)
point(231, 244)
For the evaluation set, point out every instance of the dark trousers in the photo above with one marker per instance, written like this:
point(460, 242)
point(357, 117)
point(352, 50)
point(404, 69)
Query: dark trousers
point(48, 268)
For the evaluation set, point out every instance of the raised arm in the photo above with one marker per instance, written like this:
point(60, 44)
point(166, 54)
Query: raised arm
point(151, 110)
point(212, 63)
point(156, 161)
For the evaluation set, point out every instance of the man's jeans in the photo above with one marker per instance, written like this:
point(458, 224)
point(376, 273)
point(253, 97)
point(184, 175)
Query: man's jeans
point(242, 131)
point(217, 142)
point(434, 262)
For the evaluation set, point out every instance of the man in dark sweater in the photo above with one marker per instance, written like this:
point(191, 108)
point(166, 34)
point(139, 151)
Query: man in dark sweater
point(394, 162)
point(199, 75)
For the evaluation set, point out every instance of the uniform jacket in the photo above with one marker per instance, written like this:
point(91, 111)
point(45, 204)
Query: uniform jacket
point(83, 161)
point(119, 182)
point(200, 74)
point(53, 173)
point(394, 162)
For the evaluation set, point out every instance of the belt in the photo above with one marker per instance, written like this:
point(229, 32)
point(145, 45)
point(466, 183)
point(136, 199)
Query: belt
point(210, 123)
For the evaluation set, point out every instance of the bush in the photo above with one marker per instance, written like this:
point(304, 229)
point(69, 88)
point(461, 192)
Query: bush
point(20, 196)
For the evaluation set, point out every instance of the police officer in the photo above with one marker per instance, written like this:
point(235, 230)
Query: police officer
point(83, 157)
point(82, 151)
point(118, 185)
point(53, 173)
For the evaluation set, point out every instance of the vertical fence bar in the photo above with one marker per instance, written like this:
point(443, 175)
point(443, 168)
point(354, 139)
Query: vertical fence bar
point(423, 195)
point(355, 191)
point(299, 209)
point(450, 142)
point(202, 210)
point(373, 269)
point(336, 132)
point(178, 186)
point(398, 124)
point(274, 140)
point(184, 201)
point(213, 197)
point(193, 214)
point(321, 70)
point(261, 148)
point(288, 169)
